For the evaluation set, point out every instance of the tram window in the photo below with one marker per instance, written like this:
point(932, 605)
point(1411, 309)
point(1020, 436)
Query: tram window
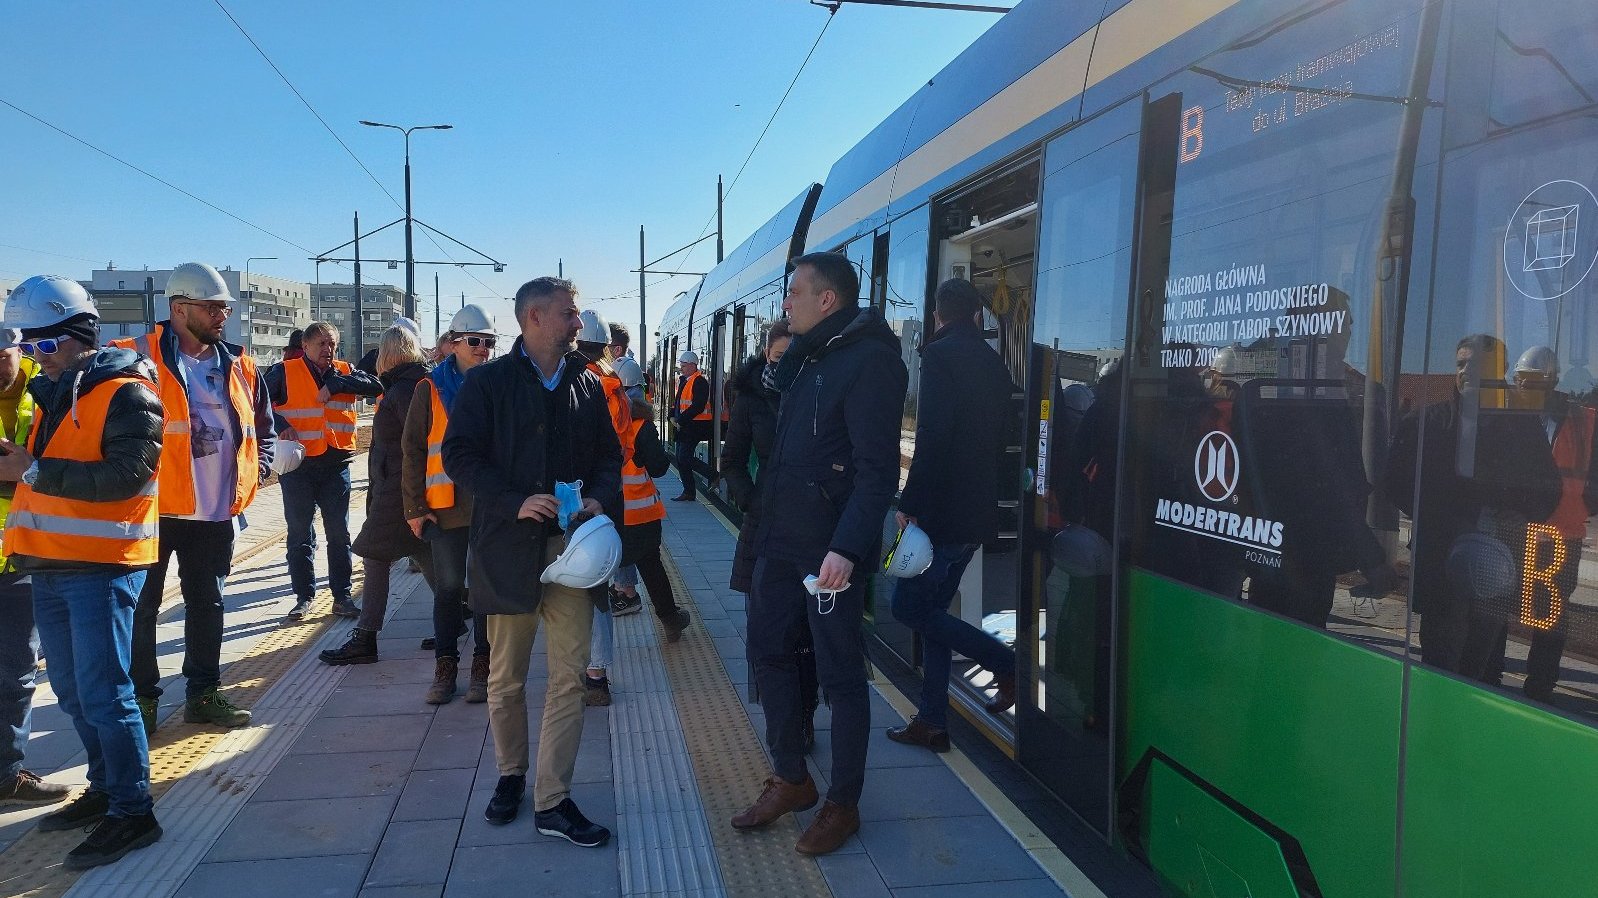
point(860, 253)
point(1251, 475)
point(1507, 588)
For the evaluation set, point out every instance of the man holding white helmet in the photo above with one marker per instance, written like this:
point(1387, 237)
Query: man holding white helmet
point(693, 416)
point(952, 495)
point(83, 525)
point(531, 438)
point(216, 453)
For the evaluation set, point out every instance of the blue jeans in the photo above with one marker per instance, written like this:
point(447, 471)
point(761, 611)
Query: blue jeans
point(449, 549)
point(602, 647)
point(922, 604)
point(312, 486)
point(19, 659)
point(85, 622)
point(626, 577)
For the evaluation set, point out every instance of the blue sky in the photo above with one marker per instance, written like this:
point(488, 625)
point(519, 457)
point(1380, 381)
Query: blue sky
point(575, 122)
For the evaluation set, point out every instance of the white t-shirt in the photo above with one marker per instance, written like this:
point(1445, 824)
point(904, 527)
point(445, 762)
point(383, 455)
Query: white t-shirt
point(211, 438)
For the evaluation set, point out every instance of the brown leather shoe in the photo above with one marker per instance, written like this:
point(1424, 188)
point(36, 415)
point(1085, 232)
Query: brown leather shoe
point(777, 798)
point(477, 686)
point(1004, 698)
point(919, 732)
point(831, 828)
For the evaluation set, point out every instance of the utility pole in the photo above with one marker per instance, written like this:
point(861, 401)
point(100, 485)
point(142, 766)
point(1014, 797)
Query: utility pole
point(410, 257)
point(437, 315)
point(463, 300)
point(560, 268)
point(719, 253)
point(643, 314)
point(359, 322)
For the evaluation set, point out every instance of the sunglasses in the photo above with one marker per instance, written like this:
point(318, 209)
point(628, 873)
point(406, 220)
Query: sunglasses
point(214, 309)
point(475, 342)
point(32, 348)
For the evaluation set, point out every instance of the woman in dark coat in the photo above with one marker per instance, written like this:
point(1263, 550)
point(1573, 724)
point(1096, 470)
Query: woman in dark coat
point(386, 536)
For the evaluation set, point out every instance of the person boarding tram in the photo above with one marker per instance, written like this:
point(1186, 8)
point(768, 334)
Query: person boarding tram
point(693, 416)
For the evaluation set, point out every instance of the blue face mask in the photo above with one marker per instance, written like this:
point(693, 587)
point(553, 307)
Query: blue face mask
point(570, 497)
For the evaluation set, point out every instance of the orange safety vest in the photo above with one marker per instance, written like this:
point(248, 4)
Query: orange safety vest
point(440, 488)
point(1573, 458)
point(621, 414)
point(685, 397)
point(320, 426)
point(640, 500)
point(122, 532)
point(177, 467)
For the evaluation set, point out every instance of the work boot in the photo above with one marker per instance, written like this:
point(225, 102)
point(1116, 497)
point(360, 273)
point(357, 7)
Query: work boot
point(443, 688)
point(596, 691)
point(360, 649)
point(777, 798)
point(1004, 697)
point(210, 707)
point(477, 686)
point(113, 838)
point(919, 732)
point(675, 623)
point(832, 827)
point(27, 788)
point(346, 608)
point(147, 707)
point(299, 611)
point(80, 812)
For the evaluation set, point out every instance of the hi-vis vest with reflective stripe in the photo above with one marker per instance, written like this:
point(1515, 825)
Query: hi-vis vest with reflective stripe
point(685, 397)
point(177, 454)
point(1573, 456)
point(121, 532)
point(320, 425)
point(616, 399)
point(440, 489)
point(640, 500)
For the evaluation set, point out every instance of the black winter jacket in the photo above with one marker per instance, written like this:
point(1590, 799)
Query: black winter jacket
point(496, 448)
point(751, 431)
point(386, 535)
point(834, 465)
point(130, 442)
point(963, 417)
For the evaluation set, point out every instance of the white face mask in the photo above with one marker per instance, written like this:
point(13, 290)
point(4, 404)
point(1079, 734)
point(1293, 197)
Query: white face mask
point(826, 599)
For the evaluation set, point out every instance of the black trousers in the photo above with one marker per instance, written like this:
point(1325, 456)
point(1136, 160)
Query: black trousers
point(689, 436)
point(205, 557)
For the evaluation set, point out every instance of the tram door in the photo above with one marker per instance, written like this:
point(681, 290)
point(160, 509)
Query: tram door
point(1078, 335)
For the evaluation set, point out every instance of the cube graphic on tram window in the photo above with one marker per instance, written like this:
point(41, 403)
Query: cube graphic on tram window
point(1551, 238)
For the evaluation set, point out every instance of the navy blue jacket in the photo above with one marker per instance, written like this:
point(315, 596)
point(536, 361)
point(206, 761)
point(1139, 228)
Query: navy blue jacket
point(962, 419)
point(834, 464)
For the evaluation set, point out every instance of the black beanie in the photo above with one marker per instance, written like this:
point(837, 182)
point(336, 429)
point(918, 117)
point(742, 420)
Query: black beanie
point(83, 327)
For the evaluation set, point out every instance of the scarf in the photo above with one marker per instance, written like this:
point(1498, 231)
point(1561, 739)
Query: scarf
point(768, 377)
point(804, 346)
point(447, 377)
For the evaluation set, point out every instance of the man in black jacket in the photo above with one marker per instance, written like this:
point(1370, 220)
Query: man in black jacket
point(521, 424)
point(833, 471)
point(952, 494)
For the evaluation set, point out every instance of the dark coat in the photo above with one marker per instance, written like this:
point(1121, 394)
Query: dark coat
point(750, 432)
point(496, 447)
point(962, 419)
point(834, 464)
point(638, 540)
point(386, 535)
point(130, 443)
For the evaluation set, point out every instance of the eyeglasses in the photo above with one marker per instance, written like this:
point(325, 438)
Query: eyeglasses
point(214, 309)
point(33, 348)
point(475, 342)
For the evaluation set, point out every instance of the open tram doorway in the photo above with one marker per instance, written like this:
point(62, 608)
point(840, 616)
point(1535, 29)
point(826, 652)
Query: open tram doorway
point(987, 234)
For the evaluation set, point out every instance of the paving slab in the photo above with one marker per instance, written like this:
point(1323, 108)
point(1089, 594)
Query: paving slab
point(301, 877)
point(415, 852)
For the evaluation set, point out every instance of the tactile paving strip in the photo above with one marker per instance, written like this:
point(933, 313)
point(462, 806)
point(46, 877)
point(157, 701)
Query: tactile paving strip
point(730, 767)
point(32, 866)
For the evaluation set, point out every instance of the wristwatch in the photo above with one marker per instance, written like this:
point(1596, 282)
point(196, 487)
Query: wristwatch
point(32, 474)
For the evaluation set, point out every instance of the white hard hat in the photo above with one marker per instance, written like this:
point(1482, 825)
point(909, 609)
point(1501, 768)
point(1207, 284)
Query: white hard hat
point(1538, 360)
point(911, 554)
point(688, 358)
point(197, 281)
point(408, 324)
point(595, 329)
point(1080, 552)
point(472, 319)
point(627, 369)
point(287, 456)
point(43, 300)
point(593, 552)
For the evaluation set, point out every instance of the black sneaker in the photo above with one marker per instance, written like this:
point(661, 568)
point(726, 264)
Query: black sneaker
point(345, 608)
point(27, 788)
point(507, 800)
point(622, 604)
point(675, 623)
point(78, 813)
point(299, 611)
point(565, 821)
point(113, 838)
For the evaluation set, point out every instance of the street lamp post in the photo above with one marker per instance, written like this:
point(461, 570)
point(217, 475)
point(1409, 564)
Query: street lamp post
point(410, 257)
point(250, 288)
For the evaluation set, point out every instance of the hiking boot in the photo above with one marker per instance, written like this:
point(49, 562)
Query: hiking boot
point(148, 705)
point(777, 798)
point(622, 604)
point(1004, 695)
point(596, 691)
point(675, 623)
point(477, 686)
point(507, 799)
point(919, 732)
point(443, 688)
point(832, 827)
point(428, 643)
point(210, 707)
point(113, 838)
point(80, 812)
point(299, 611)
point(27, 788)
point(346, 608)
point(361, 648)
point(566, 822)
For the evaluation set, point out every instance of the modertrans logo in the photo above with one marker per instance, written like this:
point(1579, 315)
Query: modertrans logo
point(1217, 470)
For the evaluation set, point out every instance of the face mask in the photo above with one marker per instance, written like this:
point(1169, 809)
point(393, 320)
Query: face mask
point(570, 497)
